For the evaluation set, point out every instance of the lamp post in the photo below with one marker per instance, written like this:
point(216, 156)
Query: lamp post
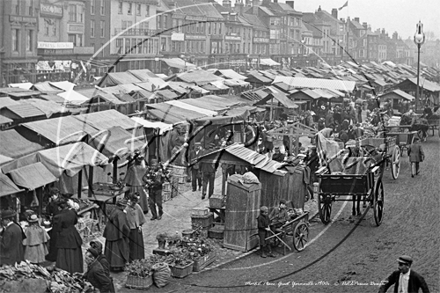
point(156, 60)
point(184, 59)
point(419, 39)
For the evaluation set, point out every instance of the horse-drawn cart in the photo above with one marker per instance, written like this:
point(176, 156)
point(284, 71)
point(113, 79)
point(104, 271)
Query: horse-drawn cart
point(383, 149)
point(404, 138)
point(354, 179)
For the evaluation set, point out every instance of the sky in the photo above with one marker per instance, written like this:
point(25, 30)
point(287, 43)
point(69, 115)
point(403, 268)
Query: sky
point(393, 15)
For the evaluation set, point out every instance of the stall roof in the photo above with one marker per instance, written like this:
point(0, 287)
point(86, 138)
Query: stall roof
point(47, 107)
point(301, 82)
point(45, 87)
point(185, 106)
point(5, 159)
point(106, 119)
point(178, 63)
point(63, 85)
point(102, 93)
point(5, 120)
point(200, 77)
point(7, 187)
point(13, 145)
point(163, 127)
point(53, 98)
point(32, 176)
point(25, 110)
point(117, 142)
point(114, 78)
point(280, 97)
point(6, 101)
point(426, 84)
point(73, 97)
point(23, 85)
point(167, 94)
point(269, 62)
point(214, 103)
point(229, 73)
point(258, 76)
point(25, 94)
point(57, 129)
point(71, 158)
point(172, 114)
point(400, 93)
point(142, 74)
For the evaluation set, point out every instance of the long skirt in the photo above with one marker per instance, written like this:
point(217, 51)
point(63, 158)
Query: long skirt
point(143, 201)
point(53, 250)
point(70, 259)
point(117, 253)
point(136, 245)
point(35, 253)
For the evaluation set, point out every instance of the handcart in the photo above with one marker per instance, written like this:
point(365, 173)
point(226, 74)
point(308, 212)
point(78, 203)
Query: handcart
point(297, 228)
point(384, 149)
point(361, 184)
point(404, 139)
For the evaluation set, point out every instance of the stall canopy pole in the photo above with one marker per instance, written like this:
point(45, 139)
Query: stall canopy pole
point(290, 139)
point(115, 170)
point(80, 182)
point(90, 182)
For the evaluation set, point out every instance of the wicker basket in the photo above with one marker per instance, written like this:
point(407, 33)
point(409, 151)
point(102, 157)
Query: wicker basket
point(140, 283)
point(182, 272)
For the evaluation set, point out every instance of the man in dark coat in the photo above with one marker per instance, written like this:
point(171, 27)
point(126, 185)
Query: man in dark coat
point(97, 246)
point(416, 155)
point(263, 232)
point(11, 240)
point(196, 177)
point(208, 173)
point(405, 279)
point(96, 274)
point(116, 233)
point(155, 179)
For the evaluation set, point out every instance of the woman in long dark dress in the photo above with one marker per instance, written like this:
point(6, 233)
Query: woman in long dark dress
point(135, 219)
point(52, 210)
point(69, 254)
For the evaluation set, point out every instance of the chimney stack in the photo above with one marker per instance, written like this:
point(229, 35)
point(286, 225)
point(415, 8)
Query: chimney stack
point(335, 13)
point(291, 4)
point(266, 3)
point(365, 25)
point(239, 7)
point(357, 19)
point(227, 3)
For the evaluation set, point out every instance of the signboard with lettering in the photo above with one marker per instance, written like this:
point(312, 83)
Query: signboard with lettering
point(180, 37)
point(75, 28)
point(195, 37)
point(261, 40)
point(55, 45)
point(28, 19)
point(50, 10)
point(49, 52)
point(232, 38)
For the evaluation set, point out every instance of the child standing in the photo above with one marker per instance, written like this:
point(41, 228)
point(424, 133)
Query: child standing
point(263, 231)
point(416, 155)
point(35, 242)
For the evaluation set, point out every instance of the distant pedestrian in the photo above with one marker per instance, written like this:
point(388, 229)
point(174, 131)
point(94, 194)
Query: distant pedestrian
point(135, 219)
point(208, 173)
point(155, 179)
point(416, 155)
point(116, 234)
point(196, 174)
point(35, 242)
point(11, 239)
point(404, 279)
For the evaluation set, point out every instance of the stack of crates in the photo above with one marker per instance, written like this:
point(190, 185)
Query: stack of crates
point(166, 191)
point(203, 219)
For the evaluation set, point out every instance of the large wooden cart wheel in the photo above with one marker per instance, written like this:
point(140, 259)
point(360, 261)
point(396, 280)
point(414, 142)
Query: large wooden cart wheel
point(395, 163)
point(378, 204)
point(421, 134)
point(300, 236)
point(325, 207)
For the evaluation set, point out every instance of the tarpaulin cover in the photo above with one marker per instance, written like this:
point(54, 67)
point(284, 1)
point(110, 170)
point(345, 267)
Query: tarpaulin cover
point(163, 127)
point(114, 78)
point(229, 73)
point(13, 145)
point(71, 158)
point(45, 87)
point(67, 128)
point(32, 176)
point(23, 85)
point(215, 103)
point(301, 82)
point(106, 119)
point(172, 114)
point(5, 159)
point(183, 105)
point(63, 85)
point(269, 62)
point(116, 142)
point(73, 97)
point(7, 187)
point(200, 77)
point(178, 63)
point(47, 107)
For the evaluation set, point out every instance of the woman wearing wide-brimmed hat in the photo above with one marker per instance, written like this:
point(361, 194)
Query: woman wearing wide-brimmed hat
point(36, 241)
point(11, 247)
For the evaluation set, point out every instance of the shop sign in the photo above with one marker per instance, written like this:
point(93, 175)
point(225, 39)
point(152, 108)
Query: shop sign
point(261, 40)
point(75, 28)
point(14, 18)
point(84, 50)
point(232, 38)
point(216, 37)
point(195, 37)
point(55, 52)
point(55, 45)
point(180, 37)
point(51, 10)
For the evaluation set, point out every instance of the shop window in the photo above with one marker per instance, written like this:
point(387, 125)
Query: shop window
point(138, 9)
point(92, 28)
point(130, 8)
point(102, 7)
point(15, 40)
point(92, 7)
point(120, 5)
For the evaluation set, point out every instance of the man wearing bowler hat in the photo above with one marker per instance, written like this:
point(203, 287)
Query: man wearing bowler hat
point(404, 279)
point(11, 240)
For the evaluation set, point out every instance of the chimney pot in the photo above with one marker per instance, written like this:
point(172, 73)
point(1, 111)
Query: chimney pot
point(335, 13)
point(357, 19)
point(291, 4)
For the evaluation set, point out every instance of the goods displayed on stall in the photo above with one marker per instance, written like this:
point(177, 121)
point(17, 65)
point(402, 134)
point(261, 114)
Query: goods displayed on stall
point(27, 277)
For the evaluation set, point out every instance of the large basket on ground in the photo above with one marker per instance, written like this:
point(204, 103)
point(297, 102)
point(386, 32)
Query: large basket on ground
point(139, 283)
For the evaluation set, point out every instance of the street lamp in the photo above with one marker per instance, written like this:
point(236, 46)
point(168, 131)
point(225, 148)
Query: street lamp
point(184, 59)
point(419, 39)
point(156, 60)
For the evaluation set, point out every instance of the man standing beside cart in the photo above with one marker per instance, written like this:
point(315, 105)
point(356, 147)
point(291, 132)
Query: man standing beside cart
point(155, 179)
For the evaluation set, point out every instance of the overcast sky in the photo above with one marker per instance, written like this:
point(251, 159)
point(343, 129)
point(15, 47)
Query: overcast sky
point(393, 15)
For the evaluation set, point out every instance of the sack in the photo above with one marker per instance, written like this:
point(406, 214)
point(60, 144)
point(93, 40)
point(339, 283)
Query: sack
point(161, 274)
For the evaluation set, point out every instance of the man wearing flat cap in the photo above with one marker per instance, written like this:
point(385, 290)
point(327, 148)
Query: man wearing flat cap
point(404, 279)
point(11, 240)
point(278, 156)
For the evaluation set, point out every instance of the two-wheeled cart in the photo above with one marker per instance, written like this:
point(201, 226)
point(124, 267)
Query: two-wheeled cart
point(363, 184)
point(404, 137)
point(383, 149)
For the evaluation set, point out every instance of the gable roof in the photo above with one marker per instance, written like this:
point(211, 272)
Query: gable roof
point(13, 145)
point(23, 111)
point(302, 82)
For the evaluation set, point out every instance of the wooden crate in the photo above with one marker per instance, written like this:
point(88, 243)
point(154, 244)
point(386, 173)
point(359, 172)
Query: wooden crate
point(242, 210)
point(217, 201)
point(200, 212)
point(166, 187)
point(204, 221)
point(204, 261)
point(182, 272)
point(166, 195)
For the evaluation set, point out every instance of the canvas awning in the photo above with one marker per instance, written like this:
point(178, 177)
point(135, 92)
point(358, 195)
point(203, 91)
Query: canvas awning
point(32, 176)
point(186, 106)
point(163, 127)
point(24, 85)
point(105, 119)
point(178, 63)
point(172, 114)
point(116, 142)
point(13, 145)
point(281, 98)
point(269, 62)
point(7, 187)
point(73, 97)
point(321, 83)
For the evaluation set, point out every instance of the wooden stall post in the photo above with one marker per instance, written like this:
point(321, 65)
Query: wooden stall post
point(115, 170)
point(290, 139)
point(80, 183)
point(90, 182)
